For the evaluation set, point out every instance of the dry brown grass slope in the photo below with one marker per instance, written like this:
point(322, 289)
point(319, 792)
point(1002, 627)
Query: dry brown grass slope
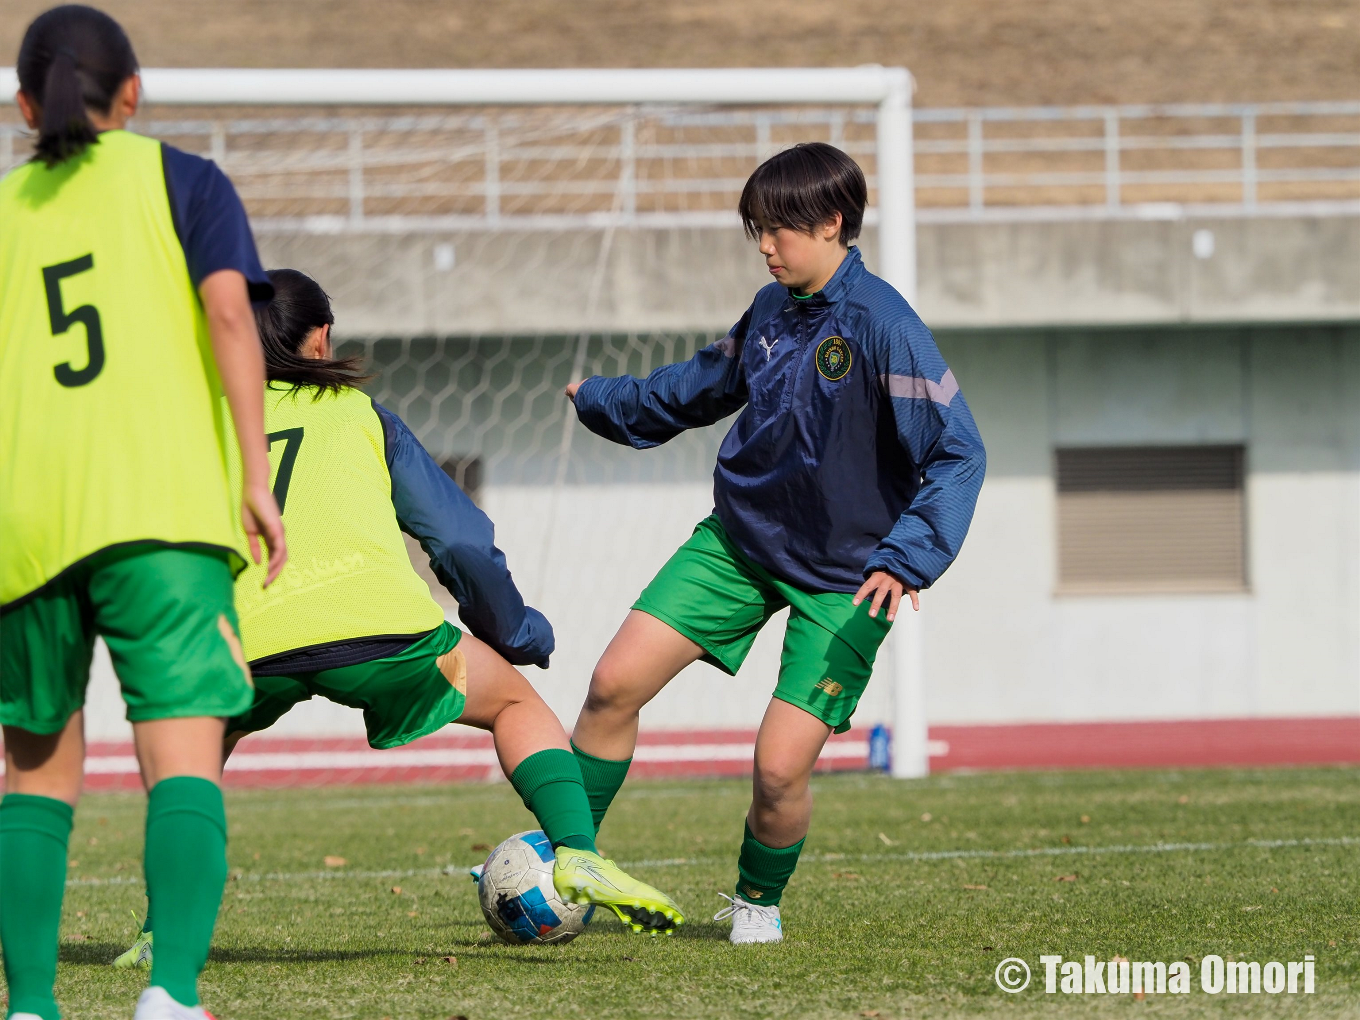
point(963, 52)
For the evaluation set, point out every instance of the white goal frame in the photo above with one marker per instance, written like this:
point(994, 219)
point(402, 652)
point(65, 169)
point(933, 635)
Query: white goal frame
point(888, 88)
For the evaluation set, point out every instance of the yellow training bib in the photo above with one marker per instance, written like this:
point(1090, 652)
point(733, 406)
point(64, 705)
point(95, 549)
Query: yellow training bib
point(348, 575)
point(111, 425)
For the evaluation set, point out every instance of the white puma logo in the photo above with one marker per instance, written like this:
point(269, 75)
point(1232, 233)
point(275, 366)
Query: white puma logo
point(769, 348)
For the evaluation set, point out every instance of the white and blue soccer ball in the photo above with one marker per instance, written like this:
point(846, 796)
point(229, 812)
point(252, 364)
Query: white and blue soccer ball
point(515, 887)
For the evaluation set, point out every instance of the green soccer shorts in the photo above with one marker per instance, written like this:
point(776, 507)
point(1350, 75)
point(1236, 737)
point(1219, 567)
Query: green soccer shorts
point(403, 697)
point(712, 594)
point(166, 614)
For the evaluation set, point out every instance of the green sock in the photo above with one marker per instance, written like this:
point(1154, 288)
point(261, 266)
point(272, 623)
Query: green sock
point(763, 871)
point(33, 835)
point(186, 868)
point(602, 777)
point(550, 784)
point(146, 925)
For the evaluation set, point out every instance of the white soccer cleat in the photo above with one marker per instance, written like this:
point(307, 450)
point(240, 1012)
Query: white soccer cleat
point(751, 922)
point(156, 1004)
point(24, 1016)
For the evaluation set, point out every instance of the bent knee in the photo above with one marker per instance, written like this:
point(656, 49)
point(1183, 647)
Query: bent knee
point(612, 690)
point(776, 781)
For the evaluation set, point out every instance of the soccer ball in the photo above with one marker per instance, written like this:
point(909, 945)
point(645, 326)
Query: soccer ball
point(517, 895)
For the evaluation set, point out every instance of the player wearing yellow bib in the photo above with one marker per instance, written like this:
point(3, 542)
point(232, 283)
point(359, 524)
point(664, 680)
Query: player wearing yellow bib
point(126, 271)
point(350, 620)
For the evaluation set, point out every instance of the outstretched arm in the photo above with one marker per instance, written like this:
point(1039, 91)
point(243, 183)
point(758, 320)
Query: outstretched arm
point(461, 543)
point(643, 413)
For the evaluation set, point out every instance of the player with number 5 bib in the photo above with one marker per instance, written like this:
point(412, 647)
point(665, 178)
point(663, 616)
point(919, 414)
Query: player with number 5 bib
point(127, 271)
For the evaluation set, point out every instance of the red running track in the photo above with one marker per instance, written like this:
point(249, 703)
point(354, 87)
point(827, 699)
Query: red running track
point(262, 761)
point(1181, 744)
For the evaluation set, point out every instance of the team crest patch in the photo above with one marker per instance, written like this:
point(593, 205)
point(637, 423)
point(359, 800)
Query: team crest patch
point(833, 358)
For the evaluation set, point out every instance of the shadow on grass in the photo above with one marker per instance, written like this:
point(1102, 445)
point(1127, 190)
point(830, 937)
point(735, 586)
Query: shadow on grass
point(523, 961)
point(89, 954)
point(102, 954)
point(704, 932)
point(247, 954)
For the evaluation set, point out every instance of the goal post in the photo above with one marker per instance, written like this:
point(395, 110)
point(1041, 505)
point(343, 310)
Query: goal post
point(889, 88)
point(884, 90)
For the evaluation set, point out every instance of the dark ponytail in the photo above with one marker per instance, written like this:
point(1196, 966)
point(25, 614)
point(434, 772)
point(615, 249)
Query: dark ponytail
point(73, 59)
point(300, 306)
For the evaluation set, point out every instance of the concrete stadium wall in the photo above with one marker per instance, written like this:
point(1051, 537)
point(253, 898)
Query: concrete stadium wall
point(1002, 645)
point(970, 274)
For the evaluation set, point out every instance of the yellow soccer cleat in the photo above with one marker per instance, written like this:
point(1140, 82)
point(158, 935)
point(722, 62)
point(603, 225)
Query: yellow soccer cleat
point(139, 955)
point(583, 877)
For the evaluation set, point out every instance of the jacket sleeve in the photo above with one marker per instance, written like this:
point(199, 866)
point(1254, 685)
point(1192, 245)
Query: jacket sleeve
point(936, 428)
point(643, 413)
point(461, 543)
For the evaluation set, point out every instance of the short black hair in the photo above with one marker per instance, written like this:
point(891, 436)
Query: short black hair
point(802, 188)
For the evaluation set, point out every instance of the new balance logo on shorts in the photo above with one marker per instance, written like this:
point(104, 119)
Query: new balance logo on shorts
point(830, 686)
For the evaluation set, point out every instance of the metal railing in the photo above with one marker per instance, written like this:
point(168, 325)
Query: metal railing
point(1139, 160)
point(536, 169)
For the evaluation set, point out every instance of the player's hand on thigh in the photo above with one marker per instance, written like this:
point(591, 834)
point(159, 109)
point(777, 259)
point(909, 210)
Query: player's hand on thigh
point(884, 587)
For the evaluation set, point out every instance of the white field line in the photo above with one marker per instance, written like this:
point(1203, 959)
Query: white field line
point(1054, 851)
point(929, 855)
point(445, 757)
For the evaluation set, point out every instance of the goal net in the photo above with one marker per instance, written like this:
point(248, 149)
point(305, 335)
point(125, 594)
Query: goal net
point(487, 237)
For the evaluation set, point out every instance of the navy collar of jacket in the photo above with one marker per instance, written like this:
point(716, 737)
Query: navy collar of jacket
point(847, 274)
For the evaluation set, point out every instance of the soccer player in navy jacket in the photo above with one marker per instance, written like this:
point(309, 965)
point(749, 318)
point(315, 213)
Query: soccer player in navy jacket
point(850, 476)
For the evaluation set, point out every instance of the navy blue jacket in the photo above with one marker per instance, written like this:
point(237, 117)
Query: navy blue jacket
point(855, 451)
point(461, 543)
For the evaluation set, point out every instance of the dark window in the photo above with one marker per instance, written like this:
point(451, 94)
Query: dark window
point(1151, 519)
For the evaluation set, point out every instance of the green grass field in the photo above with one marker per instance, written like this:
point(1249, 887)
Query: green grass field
point(908, 896)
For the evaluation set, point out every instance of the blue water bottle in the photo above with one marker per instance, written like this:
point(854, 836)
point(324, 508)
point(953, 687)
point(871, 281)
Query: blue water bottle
point(880, 748)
